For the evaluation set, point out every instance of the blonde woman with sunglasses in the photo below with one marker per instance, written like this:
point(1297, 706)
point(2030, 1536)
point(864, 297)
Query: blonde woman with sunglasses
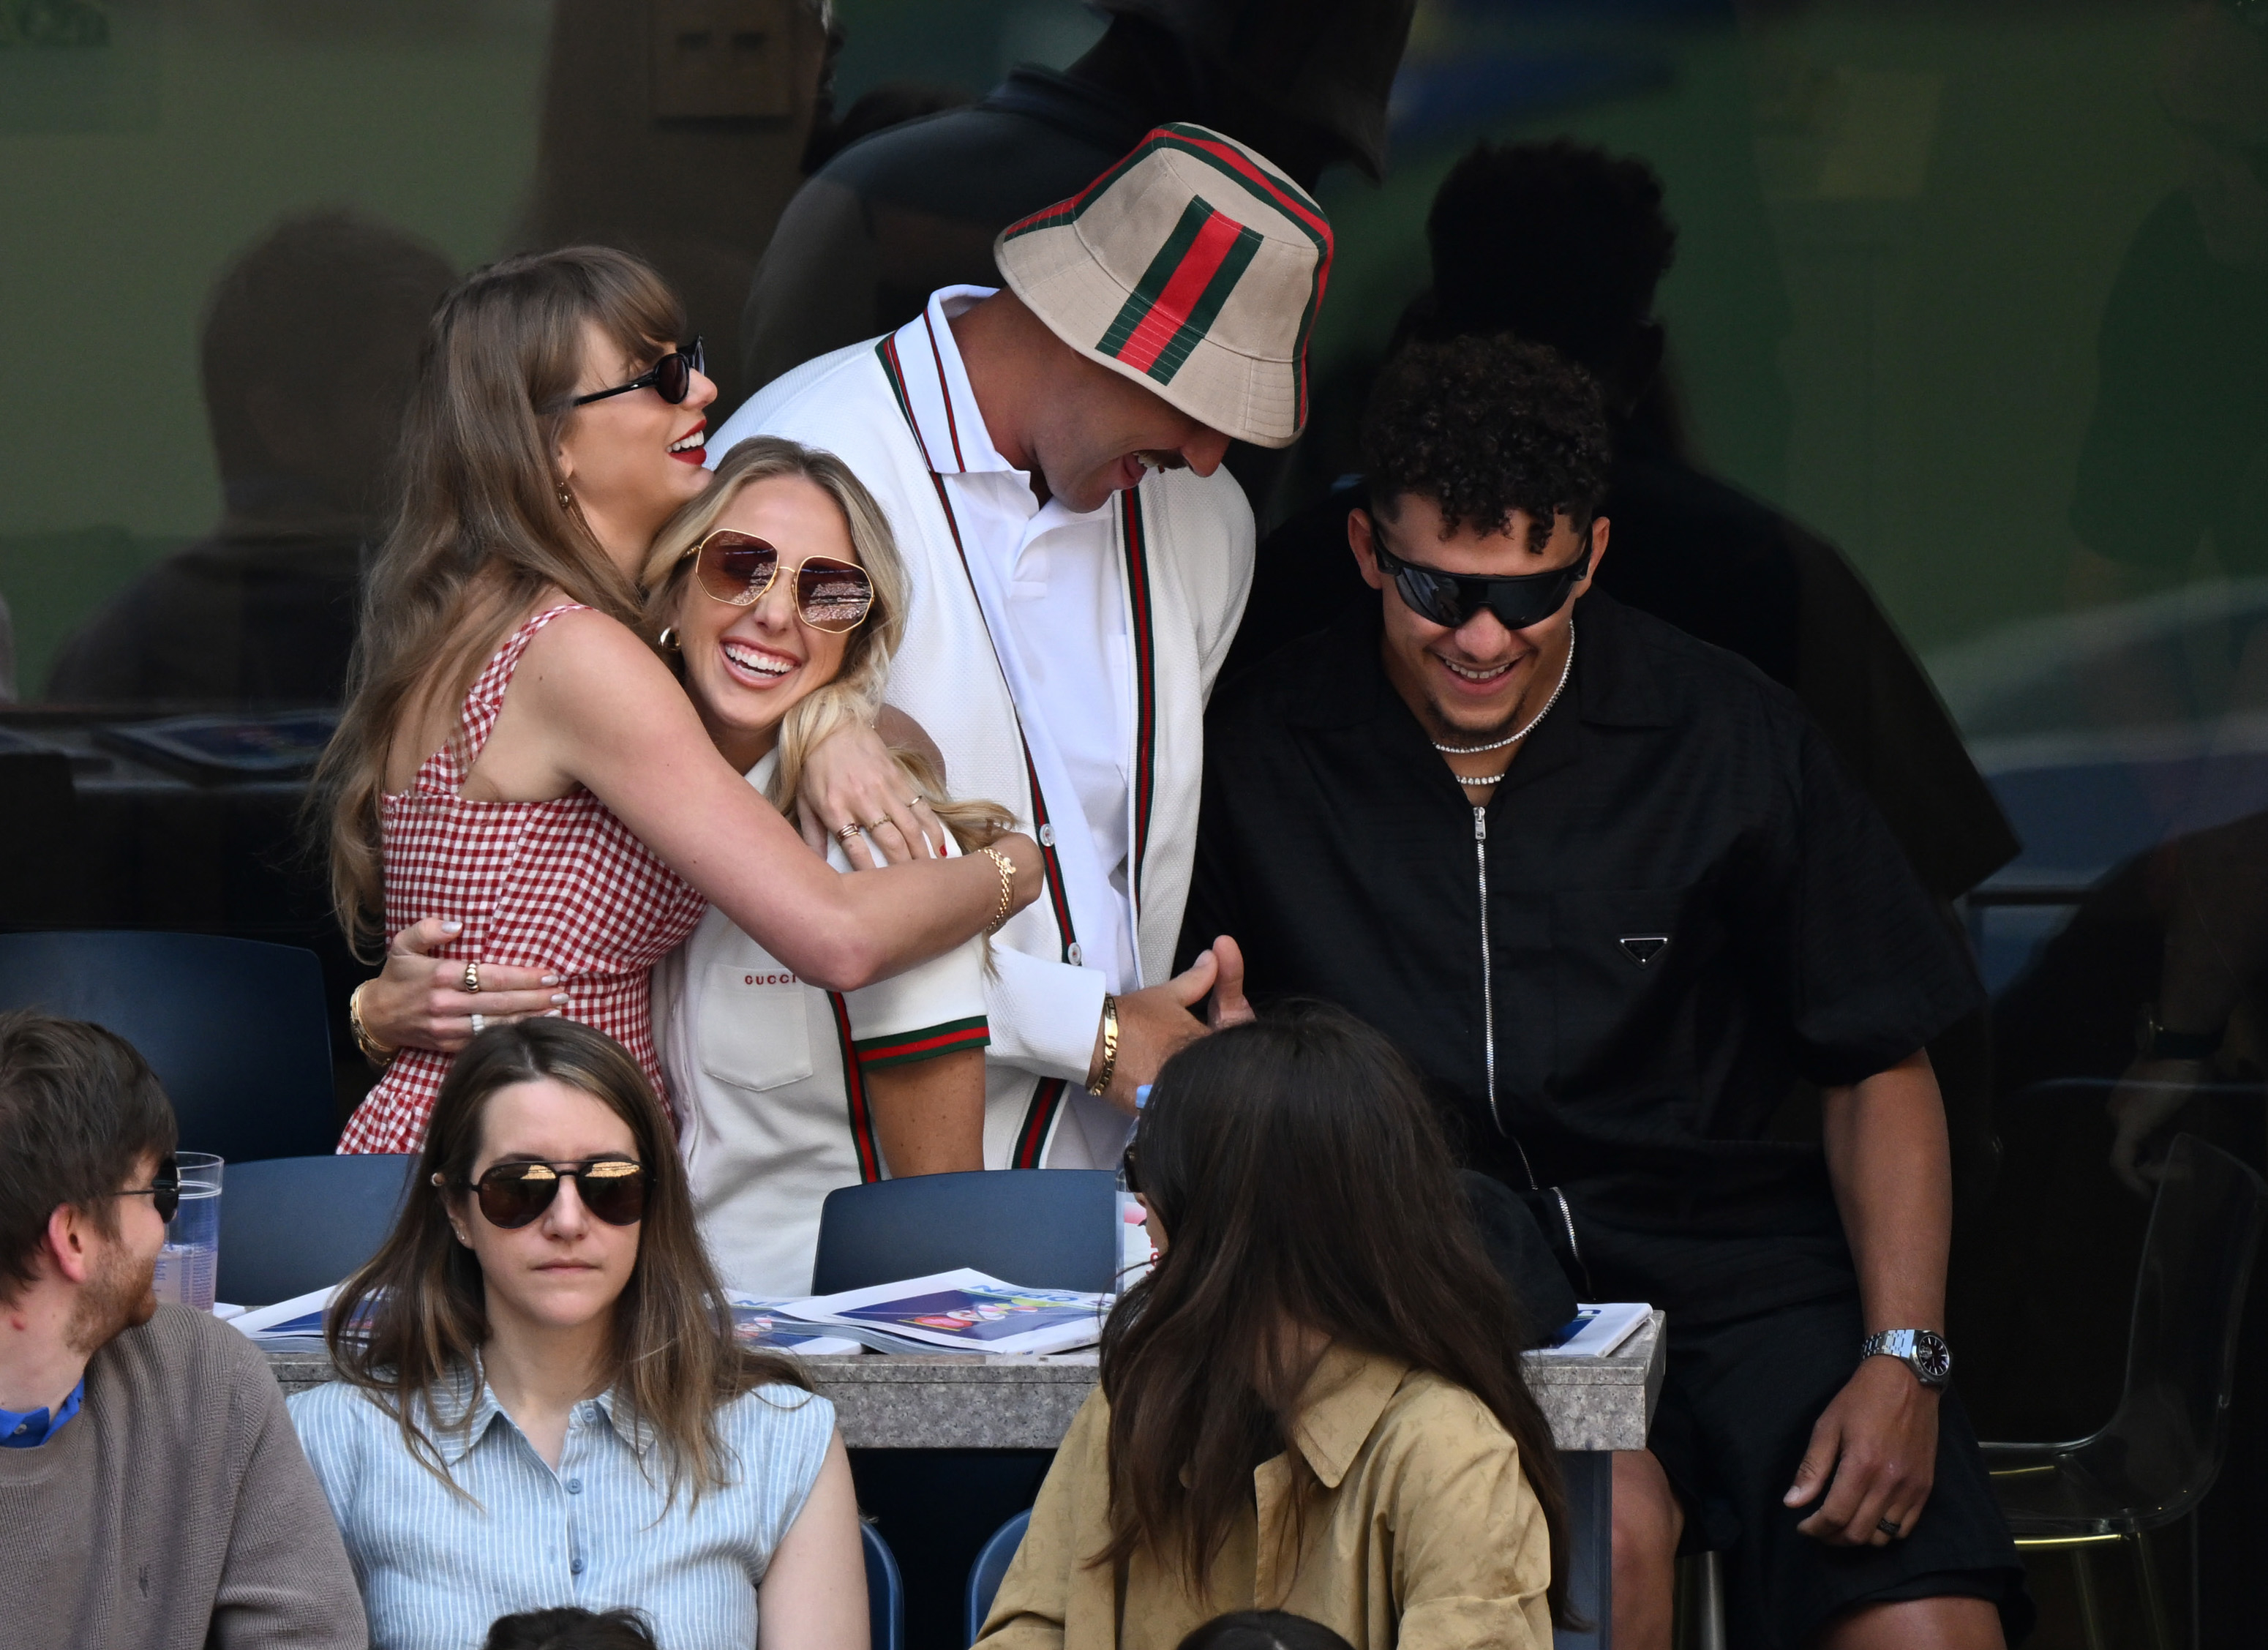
point(780, 597)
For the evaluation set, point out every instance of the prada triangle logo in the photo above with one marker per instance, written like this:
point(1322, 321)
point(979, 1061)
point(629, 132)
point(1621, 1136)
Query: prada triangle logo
point(1644, 949)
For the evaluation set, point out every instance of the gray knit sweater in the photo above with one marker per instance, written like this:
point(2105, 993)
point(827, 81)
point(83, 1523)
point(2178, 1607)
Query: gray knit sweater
point(175, 1511)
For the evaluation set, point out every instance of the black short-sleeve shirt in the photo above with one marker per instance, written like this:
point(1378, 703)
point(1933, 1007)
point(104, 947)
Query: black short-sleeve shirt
point(1689, 905)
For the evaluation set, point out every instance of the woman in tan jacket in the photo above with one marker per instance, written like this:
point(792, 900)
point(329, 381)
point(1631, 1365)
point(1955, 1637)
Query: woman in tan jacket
point(1315, 1403)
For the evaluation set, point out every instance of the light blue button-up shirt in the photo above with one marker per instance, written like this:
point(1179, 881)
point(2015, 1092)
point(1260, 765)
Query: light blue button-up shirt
point(436, 1569)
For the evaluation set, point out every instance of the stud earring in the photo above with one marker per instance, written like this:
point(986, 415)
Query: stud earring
point(667, 640)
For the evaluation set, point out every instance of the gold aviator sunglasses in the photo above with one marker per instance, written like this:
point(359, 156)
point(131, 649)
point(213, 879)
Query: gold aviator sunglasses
point(738, 568)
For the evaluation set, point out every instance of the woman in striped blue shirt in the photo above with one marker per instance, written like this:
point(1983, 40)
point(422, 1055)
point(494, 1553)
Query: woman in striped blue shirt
point(550, 1406)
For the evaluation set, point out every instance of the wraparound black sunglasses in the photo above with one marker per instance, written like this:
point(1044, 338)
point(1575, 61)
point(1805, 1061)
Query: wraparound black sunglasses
point(1518, 599)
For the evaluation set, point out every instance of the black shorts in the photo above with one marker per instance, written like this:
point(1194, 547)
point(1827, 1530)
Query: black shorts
point(1738, 1403)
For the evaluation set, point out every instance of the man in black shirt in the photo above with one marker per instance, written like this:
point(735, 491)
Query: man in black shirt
point(1616, 901)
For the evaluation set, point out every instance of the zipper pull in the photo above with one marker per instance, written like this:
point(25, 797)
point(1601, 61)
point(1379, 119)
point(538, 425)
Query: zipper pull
point(1480, 824)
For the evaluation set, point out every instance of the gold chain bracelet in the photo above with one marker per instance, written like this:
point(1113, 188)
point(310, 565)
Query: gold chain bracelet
point(1101, 1083)
point(1007, 869)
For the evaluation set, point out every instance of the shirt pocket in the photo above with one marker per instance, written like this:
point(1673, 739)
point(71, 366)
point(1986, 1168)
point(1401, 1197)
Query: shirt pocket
point(1622, 966)
point(753, 1032)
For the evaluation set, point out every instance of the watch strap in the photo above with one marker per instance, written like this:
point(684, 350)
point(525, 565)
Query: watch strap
point(1908, 1347)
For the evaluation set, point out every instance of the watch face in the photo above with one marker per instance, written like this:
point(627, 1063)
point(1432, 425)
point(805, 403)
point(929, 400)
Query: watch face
point(1932, 1357)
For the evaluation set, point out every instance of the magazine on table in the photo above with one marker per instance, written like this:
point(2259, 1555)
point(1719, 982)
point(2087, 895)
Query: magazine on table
point(288, 1326)
point(769, 1325)
point(1598, 1330)
point(296, 1326)
point(960, 1311)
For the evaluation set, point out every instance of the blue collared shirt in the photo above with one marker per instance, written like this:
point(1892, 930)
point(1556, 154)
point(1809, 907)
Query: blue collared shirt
point(33, 1427)
point(435, 1568)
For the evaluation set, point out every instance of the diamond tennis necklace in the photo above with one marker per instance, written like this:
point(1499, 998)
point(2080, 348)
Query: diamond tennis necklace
point(1479, 750)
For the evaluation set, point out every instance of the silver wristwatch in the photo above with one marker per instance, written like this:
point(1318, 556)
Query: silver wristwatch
point(1922, 1351)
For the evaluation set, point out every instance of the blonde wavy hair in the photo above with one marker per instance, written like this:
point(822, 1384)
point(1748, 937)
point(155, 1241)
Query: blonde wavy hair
point(855, 694)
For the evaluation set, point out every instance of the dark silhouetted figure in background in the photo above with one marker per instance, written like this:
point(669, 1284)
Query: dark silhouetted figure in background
point(311, 339)
point(888, 221)
point(893, 103)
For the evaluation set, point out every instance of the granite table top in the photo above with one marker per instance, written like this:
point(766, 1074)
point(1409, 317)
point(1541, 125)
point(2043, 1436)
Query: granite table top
point(956, 1402)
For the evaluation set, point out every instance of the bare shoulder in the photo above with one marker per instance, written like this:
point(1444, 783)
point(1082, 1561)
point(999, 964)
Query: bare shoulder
point(585, 657)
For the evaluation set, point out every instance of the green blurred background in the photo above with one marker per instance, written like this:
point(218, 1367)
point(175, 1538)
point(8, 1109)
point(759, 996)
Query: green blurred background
point(1899, 225)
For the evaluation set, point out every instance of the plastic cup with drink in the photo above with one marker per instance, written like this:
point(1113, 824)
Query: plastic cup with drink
point(189, 1266)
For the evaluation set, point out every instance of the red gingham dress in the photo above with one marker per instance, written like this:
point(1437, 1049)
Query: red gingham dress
point(561, 885)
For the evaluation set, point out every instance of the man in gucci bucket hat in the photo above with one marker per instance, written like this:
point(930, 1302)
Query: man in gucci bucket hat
point(1048, 454)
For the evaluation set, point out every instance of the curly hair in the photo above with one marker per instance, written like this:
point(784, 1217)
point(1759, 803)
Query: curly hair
point(1485, 427)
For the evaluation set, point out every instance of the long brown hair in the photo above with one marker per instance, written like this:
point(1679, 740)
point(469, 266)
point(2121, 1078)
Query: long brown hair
point(422, 1299)
point(1303, 1180)
point(855, 694)
point(481, 528)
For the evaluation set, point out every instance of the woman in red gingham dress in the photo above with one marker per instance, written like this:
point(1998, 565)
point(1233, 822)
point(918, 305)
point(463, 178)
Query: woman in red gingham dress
point(518, 781)
point(559, 883)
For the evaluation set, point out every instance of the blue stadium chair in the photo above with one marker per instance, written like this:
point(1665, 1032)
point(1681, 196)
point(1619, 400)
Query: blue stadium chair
point(236, 1030)
point(885, 1594)
point(290, 1224)
point(991, 1564)
point(1047, 1228)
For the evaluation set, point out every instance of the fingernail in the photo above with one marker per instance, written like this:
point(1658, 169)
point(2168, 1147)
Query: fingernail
point(556, 1014)
point(551, 979)
point(451, 927)
point(559, 997)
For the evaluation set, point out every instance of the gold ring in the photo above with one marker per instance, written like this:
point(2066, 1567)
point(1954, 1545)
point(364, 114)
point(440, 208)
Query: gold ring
point(849, 831)
point(472, 978)
point(875, 825)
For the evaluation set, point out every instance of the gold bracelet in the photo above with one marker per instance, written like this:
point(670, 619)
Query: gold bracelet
point(376, 1052)
point(1007, 869)
point(1101, 1083)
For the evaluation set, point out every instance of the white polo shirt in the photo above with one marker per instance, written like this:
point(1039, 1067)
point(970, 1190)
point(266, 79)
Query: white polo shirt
point(766, 1072)
point(1066, 633)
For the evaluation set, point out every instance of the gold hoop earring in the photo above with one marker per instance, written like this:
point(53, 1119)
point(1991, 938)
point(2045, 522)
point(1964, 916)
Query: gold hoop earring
point(667, 640)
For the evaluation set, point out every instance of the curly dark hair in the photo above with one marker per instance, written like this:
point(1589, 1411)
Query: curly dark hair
point(1560, 242)
point(1484, 427)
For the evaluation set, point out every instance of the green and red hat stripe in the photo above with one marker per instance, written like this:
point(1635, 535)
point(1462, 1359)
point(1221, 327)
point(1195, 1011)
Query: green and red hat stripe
point(1294, 205)
point(1201, 264)
point(1181, 294)
point(953, 1037)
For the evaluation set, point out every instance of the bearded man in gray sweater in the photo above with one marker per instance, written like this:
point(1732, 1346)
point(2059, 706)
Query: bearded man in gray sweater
point(152, 1494)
